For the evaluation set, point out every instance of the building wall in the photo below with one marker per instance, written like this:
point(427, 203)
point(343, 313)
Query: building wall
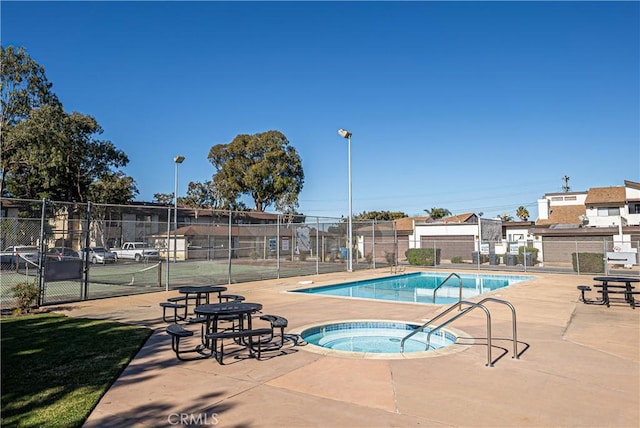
point(451, 246)
point(559, 249)
point(559, 199)
point(632, 210)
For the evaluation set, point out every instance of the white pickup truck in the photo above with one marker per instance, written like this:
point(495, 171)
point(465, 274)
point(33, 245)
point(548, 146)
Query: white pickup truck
point(137, 251)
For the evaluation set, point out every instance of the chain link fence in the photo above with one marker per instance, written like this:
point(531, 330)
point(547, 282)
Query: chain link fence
point(157, 250)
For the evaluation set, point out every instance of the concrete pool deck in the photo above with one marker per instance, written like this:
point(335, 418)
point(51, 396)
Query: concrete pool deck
point(581, 368)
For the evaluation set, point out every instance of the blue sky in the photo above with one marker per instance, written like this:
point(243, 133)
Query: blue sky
point(468, 106)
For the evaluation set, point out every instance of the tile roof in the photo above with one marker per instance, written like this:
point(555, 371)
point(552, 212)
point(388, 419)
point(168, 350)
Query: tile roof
point(460, 218)
point(564, 214)
point(405, 224)
point(606, 195)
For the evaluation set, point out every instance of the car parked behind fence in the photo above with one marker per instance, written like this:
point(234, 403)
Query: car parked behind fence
point(62, 254)
point(19, 255)
point(99, 255)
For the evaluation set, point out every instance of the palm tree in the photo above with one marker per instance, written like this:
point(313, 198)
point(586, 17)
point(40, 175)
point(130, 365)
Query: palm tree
point(437, 213)
point(522, 213)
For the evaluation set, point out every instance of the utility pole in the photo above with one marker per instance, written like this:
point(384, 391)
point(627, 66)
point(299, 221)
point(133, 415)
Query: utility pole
point(566, 187)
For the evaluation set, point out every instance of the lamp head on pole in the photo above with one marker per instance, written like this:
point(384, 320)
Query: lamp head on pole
point(344, 133)
point(178, 159)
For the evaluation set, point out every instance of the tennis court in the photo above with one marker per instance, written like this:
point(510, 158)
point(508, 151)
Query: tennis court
point(125, 278)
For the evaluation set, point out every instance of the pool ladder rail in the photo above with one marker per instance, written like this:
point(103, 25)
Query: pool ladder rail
point(471, 307)
point(447, 279)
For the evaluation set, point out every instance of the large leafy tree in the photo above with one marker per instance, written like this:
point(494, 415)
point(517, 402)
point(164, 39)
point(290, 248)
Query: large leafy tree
point(23, 87)
point(113, 188)
point(200, 195)
point(57, 157)
point(47, 152)
point(163, 198)
point(263, 166)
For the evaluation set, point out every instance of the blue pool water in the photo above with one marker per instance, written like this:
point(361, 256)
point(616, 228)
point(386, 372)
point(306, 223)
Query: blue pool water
point(374, 337)
point(418, 287)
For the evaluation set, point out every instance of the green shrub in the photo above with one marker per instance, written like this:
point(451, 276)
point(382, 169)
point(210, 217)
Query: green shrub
point(532, 250)
point(26, 293)
point(456, 259)
point(589, 262)
point(423, 256)
point(302, 256)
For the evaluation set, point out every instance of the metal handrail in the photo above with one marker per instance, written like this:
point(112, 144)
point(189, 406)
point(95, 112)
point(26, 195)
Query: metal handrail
point(449, 321)
point(513, 322)
point(472, 306)
point(421, 328)
point(445, 280)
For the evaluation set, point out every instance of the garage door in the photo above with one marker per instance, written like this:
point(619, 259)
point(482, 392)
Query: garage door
point(451, 246)
point(558, 249)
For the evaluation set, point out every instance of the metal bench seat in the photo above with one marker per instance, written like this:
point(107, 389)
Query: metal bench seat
point(177, 332)
point(175, 307)
point(276, 321)
point(249, 335)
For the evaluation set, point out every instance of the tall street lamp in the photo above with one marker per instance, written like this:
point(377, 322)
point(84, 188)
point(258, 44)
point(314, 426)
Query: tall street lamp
point(177, 160)
point(346, 134)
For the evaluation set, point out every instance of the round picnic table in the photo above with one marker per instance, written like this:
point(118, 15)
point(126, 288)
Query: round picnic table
point(227, 311)
point(201, 293)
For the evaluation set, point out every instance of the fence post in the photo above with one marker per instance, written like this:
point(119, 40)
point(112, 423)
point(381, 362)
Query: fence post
point(42, 256)
point(85, 262)
point(604, 255)
point(373, 245)
point(435, 255)
point(317, 245)
point(166, 287)
point(229, 255)
point(278, 246)
point(395, 246)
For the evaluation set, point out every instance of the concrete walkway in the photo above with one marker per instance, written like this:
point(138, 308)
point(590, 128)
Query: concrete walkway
point(581, 368)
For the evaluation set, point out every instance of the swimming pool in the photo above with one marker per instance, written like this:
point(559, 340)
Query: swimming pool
point(418, 287)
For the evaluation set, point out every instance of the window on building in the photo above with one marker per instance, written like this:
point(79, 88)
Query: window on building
point(634, 208)
point(608, 211)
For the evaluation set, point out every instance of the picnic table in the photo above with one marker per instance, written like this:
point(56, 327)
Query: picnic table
point(237, 313)
point(200, 293)
point(613, 284)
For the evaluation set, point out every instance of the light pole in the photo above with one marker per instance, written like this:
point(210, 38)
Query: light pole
point(177, 160)
point(346, 134)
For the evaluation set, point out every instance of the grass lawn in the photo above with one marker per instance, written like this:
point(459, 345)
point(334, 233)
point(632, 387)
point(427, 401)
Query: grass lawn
point(55, 368)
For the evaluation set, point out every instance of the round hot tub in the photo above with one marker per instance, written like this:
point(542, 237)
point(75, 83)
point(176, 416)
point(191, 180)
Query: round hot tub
point(375, 339)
